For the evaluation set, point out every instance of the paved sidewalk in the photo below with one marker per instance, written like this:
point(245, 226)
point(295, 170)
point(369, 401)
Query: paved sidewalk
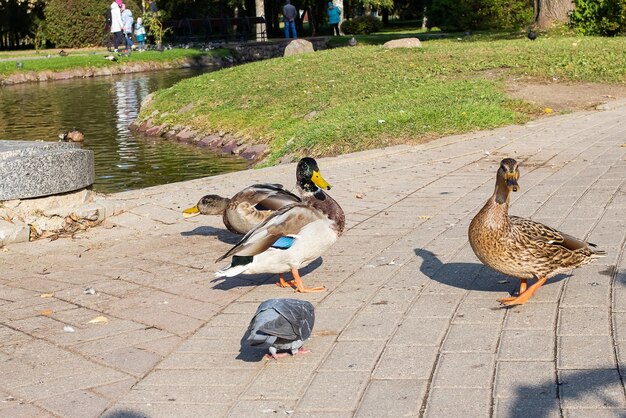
point(410, 325)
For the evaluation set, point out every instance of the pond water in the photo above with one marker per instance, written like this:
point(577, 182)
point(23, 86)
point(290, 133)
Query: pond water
point(102, 108)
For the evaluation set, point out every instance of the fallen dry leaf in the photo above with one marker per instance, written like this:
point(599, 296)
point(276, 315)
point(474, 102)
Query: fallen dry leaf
point(46, 312)
point(99, 320)
point(359, 195)
point(47, 295)
point(424, 217)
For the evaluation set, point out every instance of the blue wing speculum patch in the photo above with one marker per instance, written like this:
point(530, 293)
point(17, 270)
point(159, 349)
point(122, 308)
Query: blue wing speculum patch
point(283, 243)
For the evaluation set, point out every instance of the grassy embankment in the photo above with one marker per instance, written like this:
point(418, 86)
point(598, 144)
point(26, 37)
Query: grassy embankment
point(49, 60)
point(350, 99)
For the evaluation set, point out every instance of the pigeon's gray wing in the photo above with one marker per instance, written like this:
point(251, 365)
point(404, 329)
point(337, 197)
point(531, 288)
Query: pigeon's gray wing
point(299, 314)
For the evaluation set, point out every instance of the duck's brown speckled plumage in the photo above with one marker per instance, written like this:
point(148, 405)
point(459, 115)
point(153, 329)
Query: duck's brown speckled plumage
point(247, 208)
point(521, 247)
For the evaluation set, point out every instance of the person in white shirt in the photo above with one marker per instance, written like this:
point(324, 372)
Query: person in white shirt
point(116, 23)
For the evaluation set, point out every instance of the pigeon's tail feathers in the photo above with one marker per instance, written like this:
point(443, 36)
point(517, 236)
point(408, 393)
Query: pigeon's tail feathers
point(261, 340)
point(257, 337)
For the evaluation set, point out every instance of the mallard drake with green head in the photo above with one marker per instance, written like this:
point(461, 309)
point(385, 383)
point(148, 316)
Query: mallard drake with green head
point(246, 209)
point(292, 237)
point(521, 247)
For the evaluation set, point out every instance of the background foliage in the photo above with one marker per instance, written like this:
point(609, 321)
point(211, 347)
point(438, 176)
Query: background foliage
point(599, 17)
point(463, 15)
point(71, 23)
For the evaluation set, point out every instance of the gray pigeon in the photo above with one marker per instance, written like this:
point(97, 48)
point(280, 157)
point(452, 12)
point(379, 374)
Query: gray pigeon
point(281, 325)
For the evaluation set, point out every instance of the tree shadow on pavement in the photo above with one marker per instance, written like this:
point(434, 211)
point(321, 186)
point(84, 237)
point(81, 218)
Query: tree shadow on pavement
point(599, 389)
point(469, 276)
point(224, 235)
point(125, 413)
point(227, 283)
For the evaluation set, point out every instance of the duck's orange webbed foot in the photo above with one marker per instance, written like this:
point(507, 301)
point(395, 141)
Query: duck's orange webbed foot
point(300, 286)
point(282, 283)
point(524, 295)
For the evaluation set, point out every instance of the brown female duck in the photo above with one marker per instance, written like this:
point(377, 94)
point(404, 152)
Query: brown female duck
point(521, 247)
point(246, 209)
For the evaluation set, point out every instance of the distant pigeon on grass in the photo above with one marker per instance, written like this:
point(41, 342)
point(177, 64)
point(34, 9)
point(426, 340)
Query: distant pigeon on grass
point(532, 35)
point(63, 53)
point(19, 65)
point(281, 325)
point(352, 41)
point(111, 58)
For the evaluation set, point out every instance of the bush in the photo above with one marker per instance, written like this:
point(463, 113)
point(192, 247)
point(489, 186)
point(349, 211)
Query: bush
point(599, 17)
point(78, 23)
point(461, 15)
point(361, 25)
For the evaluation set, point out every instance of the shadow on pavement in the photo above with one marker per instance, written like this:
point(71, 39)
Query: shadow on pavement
point(227, 283)
point(250, 354)
point(125, 413)
point(601, 389)
point(221, 234)
point(470, 276)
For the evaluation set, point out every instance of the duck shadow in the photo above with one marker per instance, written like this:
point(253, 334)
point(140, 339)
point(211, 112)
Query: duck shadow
point(469, 276)
point(227, 283)
point(224, 235)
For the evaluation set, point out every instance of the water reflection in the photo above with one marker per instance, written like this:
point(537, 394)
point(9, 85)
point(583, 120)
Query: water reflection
point(102, 108)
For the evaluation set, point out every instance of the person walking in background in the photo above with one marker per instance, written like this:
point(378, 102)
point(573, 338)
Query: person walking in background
point(334, 17)
point(116, 23)
point(140, 34)
point(127, 26)
point(289, 17)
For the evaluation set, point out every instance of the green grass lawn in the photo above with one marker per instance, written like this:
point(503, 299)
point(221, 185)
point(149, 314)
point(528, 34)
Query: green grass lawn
point(349, 99)
point(49, 60)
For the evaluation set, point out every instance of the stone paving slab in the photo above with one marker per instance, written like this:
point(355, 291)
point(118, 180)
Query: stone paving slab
point(409, 325)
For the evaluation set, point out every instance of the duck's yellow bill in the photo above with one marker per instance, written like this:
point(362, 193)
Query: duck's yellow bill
point(319, 181)
point(192, 211)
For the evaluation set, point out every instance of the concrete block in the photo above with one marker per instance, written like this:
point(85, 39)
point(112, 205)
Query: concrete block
point(464, 370)
point(32, 169)
point(406, 362)
point(585, 352)
point(15, 231)
point(472, 337)
point(536, 316)
point(392, 398)
point(518, 344)
point(584, 321)
point(458, 402)
point(338, 390)
point(516, 379)
point(353, 355)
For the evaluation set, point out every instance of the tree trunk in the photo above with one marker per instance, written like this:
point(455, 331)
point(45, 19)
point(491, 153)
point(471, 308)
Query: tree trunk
point(259, 6)
point(548, 12)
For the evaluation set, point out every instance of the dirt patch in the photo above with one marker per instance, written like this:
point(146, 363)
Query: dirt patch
point(561, 97)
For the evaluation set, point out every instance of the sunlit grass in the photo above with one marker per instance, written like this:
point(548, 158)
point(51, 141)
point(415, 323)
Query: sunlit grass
point(348, 99)
point(50, 60)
